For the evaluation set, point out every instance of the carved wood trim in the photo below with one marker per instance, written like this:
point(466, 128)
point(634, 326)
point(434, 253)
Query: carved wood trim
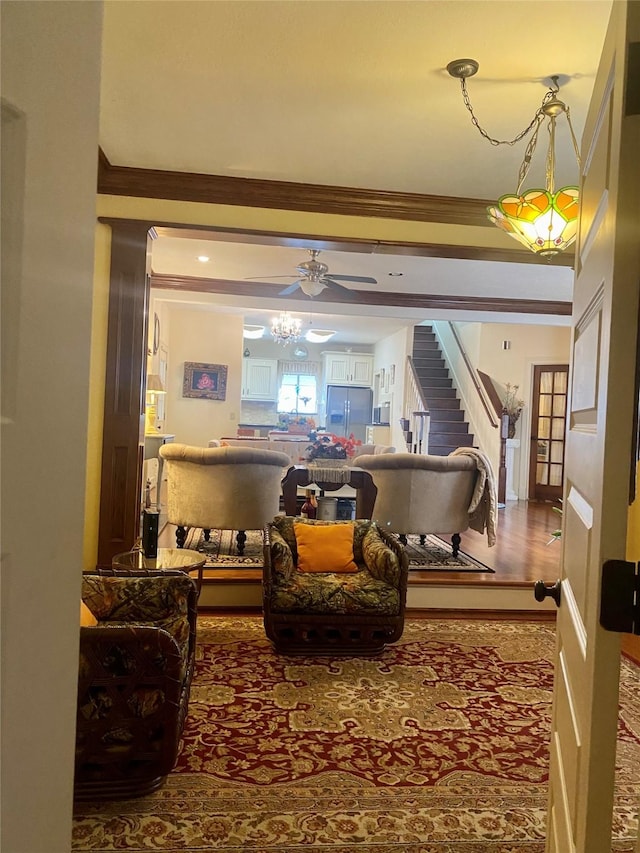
point(122, 448)
point(421, 301)
point(315, 198)
point(286, 195)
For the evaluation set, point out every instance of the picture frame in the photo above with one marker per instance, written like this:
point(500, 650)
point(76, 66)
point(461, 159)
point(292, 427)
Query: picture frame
point(205, 381)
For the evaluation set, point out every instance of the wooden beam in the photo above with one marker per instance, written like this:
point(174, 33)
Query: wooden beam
point(421, 301)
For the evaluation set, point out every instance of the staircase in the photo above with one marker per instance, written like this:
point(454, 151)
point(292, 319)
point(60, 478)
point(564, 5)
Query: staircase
point(448, 429)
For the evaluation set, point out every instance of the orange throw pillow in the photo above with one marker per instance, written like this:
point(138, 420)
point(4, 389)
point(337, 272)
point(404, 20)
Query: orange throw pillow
point(87, 619)
point(325, 547)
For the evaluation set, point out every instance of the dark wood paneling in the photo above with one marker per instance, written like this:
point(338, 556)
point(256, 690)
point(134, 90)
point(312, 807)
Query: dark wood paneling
point(492, 394)
point(123, 410)
point(349, 244)
point(285, 195)
point(422, 301)
point(316, 198)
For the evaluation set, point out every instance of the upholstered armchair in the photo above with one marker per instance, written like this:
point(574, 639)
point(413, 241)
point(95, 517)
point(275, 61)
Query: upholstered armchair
point(226, 488)
point(352, 612)
point(372, 450)
point(423, 493)
point(136, 666)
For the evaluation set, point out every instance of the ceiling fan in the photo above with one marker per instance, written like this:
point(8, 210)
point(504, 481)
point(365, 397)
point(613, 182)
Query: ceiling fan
point(315, 278)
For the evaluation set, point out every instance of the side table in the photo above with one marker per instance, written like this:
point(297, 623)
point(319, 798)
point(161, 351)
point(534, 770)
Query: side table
point(330, 481)
point(180, 559)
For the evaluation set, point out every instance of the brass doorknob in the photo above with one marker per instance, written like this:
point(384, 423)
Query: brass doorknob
point(541, 590)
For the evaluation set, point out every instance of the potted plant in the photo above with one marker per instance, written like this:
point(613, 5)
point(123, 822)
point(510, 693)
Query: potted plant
point(331, 450)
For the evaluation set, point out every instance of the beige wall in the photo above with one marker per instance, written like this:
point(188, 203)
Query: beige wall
point(50, 74)
point(529, 345)
point(393, 350)
point(203, 336)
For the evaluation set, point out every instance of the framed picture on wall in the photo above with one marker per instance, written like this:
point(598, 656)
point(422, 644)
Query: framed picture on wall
point(205, 381)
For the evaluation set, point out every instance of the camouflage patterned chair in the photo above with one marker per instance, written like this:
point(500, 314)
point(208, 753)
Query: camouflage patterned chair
point(348, 613)
point(136, 667)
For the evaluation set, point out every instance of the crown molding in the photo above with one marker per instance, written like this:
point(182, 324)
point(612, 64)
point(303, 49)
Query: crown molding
point(422, 301)
point(285, 195)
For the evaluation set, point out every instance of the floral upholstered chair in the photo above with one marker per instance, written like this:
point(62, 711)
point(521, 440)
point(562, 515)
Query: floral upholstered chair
point(137, 657)
point(353, 610)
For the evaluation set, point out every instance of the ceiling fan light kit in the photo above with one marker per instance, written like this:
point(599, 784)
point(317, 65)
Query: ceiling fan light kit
point(319, 336)
point(253, 333)
point(315, 277)
point(543, 220)
point(285, 328)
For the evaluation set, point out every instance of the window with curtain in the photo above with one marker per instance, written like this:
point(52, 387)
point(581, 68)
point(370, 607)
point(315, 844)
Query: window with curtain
point(298, 393)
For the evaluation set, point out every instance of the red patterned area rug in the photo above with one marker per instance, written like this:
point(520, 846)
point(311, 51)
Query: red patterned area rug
point(439, 745)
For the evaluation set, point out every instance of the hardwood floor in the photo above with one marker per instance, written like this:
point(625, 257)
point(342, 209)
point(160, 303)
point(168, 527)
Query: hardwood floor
point(520, 556)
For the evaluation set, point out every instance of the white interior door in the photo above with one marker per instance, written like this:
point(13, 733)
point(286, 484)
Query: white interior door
point(599, 450)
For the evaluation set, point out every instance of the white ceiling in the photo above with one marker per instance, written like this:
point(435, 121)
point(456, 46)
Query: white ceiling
point(348, 93)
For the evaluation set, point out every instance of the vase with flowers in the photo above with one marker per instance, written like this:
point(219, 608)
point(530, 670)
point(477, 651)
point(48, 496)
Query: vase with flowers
point(511, 408)
point(330, 450)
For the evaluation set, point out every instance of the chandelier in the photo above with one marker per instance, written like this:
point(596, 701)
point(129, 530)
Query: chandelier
point(543, 220)
point(285, 328)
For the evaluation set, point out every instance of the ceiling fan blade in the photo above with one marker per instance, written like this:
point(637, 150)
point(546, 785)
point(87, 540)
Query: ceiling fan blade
point(291, 289)
point(338, 288)
point(363, 278)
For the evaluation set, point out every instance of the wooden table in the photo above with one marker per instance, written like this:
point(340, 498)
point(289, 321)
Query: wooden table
point(357, 478)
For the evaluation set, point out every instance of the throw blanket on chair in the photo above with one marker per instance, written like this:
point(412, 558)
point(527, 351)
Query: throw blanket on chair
point(484, 501)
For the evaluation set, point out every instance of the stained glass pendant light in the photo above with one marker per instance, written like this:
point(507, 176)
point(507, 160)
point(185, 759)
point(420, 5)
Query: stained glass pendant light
point(543, 220)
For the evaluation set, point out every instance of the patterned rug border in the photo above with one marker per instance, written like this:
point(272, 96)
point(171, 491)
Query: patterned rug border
point(225, 540)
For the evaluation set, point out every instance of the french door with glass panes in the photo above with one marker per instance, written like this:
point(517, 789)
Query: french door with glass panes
point(549, 411)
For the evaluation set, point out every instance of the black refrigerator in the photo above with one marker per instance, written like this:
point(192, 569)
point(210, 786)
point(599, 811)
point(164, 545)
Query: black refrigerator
point(348, 410)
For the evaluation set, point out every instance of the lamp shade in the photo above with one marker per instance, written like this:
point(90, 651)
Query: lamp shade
point(543, 222)
point(252, 332)
point(319, 336)
point(155, 384)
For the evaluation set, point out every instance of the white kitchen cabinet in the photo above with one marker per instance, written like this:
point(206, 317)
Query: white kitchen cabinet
point(259, 379)
point(348, 368)
point(378, 435)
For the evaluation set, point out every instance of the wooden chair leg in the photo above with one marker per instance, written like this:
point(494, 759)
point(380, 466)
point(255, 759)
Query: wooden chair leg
point(181, 535)
point(455, 541)
point(423, 539)
point(403, 538)
point(207, 534)
point(241, 538)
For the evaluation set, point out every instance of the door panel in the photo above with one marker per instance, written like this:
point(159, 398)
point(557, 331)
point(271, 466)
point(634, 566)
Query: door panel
point(598, 455)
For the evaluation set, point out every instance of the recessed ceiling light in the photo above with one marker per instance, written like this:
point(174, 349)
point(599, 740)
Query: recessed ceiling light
point(395, 273)
point(319, 336)
point(203, 258)
point(253, 332)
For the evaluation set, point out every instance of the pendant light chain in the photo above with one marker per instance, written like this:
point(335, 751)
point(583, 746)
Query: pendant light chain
point(543, 220)
point(534, 126)
point(537, 117)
